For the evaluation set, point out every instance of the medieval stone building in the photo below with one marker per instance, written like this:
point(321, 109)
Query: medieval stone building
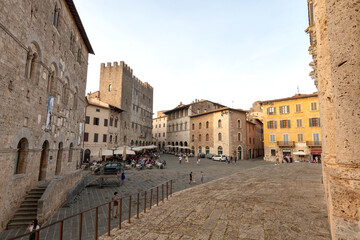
point(119, 88)
point(335, 46)
point(44, 57)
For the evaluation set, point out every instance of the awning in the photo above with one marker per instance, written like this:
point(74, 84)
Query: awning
point(300, 153)
point(316, 152)
point(107, 152)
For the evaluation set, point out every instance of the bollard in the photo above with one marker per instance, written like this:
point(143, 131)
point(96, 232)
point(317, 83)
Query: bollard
point(151, 192)
point(129, 209)
point(80, 226)
point(145, 202)
point(170, 188)
point(138, 201)
point(162, 192)
point(120, 212)
point(109, 217)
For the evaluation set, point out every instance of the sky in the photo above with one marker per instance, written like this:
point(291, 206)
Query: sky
point(233, 52)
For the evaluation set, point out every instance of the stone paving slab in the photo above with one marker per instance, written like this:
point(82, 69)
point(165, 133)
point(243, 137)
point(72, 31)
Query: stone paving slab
point(267, 202)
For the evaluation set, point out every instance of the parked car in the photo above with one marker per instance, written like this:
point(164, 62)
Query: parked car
point(209, 155)
point(111, 168)
point(201, 155)
point(219, 158)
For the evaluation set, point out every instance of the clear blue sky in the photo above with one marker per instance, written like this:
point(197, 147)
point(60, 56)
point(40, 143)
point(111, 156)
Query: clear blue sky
point(231, 52)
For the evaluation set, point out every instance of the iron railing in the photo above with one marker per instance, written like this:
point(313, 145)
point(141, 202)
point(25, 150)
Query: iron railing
point(60, 223)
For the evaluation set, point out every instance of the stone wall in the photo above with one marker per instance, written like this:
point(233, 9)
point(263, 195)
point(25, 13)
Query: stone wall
point(337, 59)
point(39, 60)
point(57, 193)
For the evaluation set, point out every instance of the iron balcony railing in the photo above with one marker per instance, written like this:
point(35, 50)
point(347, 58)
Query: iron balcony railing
point(313, 143)
point(286, 143)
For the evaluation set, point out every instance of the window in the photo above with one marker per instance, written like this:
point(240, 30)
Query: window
point(250, 140)
point(111, 121)
point(106, 122)
point(163, 134)
point(164, 125)
point(300, 137)
point(271, 110)
point(298, 108)
point(299, 123)
point(104, 137)
point(156, 126)
point(313, 106)
point(109, 87)
point(239, 123)
point(56, 16)
point(207, 137)
point(273, 152)
point(22, 150)
point(98, 110)
point(193, 126)
point(272, 138)
point(86, 137)
point(207, 150)
point(239, 136)
point(155, 134)
point(96, 121)
point(284, 109)
point(116, 122)
point(70, 152)
point(199, 125)
point(199, 137)
point(219, 123)
point(284, 123)
point(160, 125)
point(271, 124)
point(192, 138)
point(316, 138)
point(220, 150)
point(96, 137)
point(207, 124)
point(87, 120)
point(314, 122)
point(200, 150)
point(286, 138)
point(219, 137)
point(116, 138)
point(111, 138)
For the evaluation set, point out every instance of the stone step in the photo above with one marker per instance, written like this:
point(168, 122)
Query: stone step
point(36, 193)
point(29, 205)
point(22, 215)
point(31, 197)
point(15, 225)
point(29, 201)
point(28, 209)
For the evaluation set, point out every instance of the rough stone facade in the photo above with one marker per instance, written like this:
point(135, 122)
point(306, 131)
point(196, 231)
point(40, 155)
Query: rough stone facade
point(178, 130)
point(44, 53)
point(220, 131)
point(159, 130)
point(334, 37)
point(119, 88)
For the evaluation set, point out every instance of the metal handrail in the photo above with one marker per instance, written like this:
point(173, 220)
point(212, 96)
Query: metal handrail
point(80, 214)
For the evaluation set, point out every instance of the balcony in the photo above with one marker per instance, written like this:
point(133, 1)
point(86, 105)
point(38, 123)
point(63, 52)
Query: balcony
point(313, 143)
point(286, 143)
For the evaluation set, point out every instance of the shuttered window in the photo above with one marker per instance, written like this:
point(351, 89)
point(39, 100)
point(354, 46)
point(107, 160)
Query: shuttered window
point(271, 124)
point(271, 110)
point(313, 106)
point(285, 124)
point(314, 122)
point(298, 108)
point(299, 123)
point(284, 109)
point(300, 137)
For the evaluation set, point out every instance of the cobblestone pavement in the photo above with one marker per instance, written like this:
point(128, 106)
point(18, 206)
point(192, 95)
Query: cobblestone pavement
point(266, 202)
point(136, 181)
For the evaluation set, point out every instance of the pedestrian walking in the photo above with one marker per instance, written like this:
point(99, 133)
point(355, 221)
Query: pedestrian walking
point(187, 159)
point(198, 161)
point(180, 158)
point(115, 200)
point(202, 177)
point(191, 178)
point(277, 159)
point(122, 177)
point(235, 159)
point(32, 227)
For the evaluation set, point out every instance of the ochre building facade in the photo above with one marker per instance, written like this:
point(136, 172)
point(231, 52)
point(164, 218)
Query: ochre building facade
point(334, 28)
point(44, 56)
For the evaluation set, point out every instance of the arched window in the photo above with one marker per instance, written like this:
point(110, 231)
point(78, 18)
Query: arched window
point(239, 123)
point(199, 137)
point(220, 150)
point(192, 138)
point(219, 137)
point(193, 126)
point(32, 68)
point(52, 79)
point(109, 87)
point(199, 125)
point(239, 137)
point(219, 123)
point(207, 137)
point(56, 16)
point(22, 150)
point(71, 152)
point(207, 124)
point(200, 150)
point(207, 150)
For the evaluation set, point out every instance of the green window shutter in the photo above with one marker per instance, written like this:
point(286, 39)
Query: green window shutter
point(268, 124)
point(288, 108)
point(275, 124)
point(319, 121)
point(281, 124)
point(274, 110)
point(310, 122)
point(288, 123)
point(268, 111)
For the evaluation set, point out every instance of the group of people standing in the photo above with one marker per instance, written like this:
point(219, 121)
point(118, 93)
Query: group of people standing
point(192, 178)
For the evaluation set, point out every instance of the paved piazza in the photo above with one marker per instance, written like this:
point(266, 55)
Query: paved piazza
point(251, 200)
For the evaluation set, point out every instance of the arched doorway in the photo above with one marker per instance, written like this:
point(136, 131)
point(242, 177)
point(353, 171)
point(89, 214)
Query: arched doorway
point(43, 161)
point(239, 151)
point(87, 155)
point(21, 155)
point(59, 159)
point(220, 151)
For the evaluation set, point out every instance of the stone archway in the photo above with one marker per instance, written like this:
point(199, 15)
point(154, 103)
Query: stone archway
point(43, 161)
point(59, 159)
point(239, 153)
point(87, 155)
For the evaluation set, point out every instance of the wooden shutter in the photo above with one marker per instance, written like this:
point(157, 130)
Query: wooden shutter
point(319, 121)
point(268, 111)
point(275, 124)
point(288, 108)
point(288, 123)
point(281, 124)
point(310, 122)
point(274, 110)
point(268, 124)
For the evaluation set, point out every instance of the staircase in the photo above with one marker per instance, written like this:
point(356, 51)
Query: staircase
point(28, 209)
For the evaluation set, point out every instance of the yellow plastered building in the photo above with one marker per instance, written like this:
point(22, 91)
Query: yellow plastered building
point(292, 128)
